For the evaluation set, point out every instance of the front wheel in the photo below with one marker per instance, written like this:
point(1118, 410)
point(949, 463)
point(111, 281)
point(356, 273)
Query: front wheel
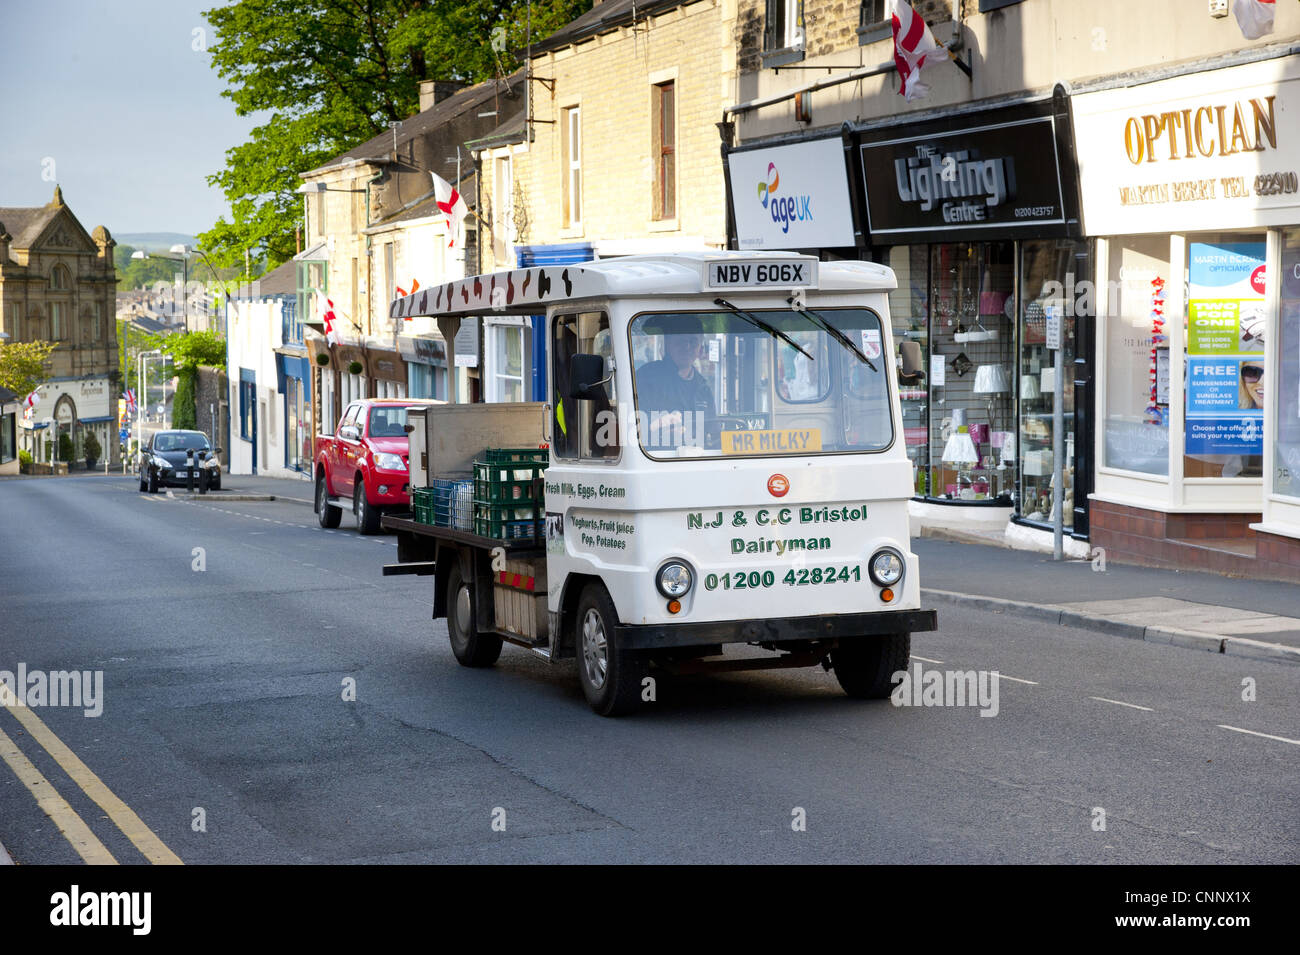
point(610, 675)
point(865, 665)
point(367, 516)
point(327, 515)
point(471, 648)
point(152, 484)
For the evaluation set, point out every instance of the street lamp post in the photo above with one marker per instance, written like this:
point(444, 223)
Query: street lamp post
point(142, 401)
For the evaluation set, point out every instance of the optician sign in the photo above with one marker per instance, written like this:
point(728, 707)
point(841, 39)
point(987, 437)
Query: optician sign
point(1218, 149)
point(987, 174)
point(791, 197)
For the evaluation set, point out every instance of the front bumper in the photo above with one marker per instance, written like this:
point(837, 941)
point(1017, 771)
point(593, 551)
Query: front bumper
point(845, 626)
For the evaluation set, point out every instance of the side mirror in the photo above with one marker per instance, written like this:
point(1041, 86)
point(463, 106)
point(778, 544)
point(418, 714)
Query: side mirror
point(216, 452)
point(350, 432)
point(587, 377)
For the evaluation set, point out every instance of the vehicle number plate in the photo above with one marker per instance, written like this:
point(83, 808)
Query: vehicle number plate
point(758, 273)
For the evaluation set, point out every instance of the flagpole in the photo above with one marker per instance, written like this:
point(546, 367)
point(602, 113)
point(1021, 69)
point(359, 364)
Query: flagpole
point(965, 68)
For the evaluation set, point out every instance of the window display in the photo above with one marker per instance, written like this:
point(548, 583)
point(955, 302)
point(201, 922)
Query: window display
point(1136, 415)
point(1225, 383)
point(908, 310)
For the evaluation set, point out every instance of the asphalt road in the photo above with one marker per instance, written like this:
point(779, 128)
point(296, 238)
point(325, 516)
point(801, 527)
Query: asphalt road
point(224, 692)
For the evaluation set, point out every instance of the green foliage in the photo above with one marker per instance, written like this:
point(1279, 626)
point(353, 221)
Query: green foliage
point(24, 461)
point(91, 449)
point(332, 74)
point(196, 348)
point(66, 451)
point(184, 412)
point(23, 365)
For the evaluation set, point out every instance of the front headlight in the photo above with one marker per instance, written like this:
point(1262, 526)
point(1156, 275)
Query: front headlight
point(389, 462)
point(212, 463)
point(162, 463)
point(886, 567)
point(674, 580)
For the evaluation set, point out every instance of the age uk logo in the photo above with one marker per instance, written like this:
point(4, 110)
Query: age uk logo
point(783, 209)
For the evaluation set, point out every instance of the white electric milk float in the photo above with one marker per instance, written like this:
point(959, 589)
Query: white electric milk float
point(721, 461)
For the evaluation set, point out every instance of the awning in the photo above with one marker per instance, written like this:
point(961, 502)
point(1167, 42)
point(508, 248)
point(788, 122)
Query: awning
point(100, 420)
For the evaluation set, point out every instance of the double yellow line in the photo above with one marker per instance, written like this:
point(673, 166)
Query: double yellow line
point(73, 827)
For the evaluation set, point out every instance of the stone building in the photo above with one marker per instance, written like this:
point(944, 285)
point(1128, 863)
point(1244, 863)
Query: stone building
point(57, 283)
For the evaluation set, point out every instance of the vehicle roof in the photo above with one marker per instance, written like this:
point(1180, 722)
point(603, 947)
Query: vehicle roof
point(529, 291)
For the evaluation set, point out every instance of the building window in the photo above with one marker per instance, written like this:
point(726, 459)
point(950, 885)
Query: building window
point(58, 328)
point(573, 167)
point(510, 351)
point(320, 213)
point(97, 322)
point(783, 27)
point(665, 148)
point(13, 323)
point(59, 278)
point(988, 5)
point(874, 22)
point(503, 219)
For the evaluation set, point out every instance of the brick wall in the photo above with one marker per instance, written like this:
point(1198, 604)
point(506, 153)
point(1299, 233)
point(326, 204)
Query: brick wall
point(830, 26)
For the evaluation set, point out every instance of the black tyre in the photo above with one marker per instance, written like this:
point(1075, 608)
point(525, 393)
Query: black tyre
point(366, 515)
point(144, 486)
point(152, 485)
point(610, 676)
point(326, 513)
point(471, 648)
point(864, 665)
point(215, 484)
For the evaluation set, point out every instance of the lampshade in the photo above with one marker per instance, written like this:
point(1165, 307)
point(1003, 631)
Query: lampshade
point(991, 380)
point(960, 449)
point(1028, 387)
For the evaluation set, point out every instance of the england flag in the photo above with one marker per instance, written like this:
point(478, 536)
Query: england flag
point(914, 48)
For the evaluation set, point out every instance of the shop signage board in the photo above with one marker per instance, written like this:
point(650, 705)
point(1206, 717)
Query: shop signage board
point(794, 196)
point(1218, 149)
point(1225, 348)
point(986, 175)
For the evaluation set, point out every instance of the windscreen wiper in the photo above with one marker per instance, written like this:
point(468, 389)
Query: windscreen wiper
point(835, 333)
point(763, 326)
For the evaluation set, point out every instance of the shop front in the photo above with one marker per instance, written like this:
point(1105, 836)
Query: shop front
point(386, 370)
point(1190, 185)
point(426, 365)
point(293, 373)
point(976, 211)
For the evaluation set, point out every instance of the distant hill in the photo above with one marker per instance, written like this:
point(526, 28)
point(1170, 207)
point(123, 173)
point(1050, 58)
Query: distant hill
point(154, 241)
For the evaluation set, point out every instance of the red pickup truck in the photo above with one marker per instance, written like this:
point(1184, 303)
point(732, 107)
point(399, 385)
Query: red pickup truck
point(365, 463)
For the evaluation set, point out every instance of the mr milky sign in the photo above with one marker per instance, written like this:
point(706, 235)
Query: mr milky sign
point(762, 274)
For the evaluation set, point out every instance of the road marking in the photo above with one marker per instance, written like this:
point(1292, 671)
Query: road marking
point(1016, 679)
point(123, 817)
point(1122, 703)
point(74, 829)
point(925, 659)
point(1238, 729)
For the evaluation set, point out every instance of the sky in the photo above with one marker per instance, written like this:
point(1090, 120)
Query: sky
point(117, 101)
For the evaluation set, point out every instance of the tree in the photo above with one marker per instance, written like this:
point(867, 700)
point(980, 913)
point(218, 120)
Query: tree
point(91, 449)
point(196, 348)
point(333, 74)
point(23, 365)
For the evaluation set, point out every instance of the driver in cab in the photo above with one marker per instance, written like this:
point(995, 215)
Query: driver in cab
point(672, 393)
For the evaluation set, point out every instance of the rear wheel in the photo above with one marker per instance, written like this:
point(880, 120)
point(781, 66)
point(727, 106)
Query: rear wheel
point(326, 513)
point(610, 675)
point(471, 648)
point(367, 516)
point(865, 665)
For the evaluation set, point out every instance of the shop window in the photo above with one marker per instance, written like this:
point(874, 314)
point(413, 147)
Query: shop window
point(1224, 357)
point(247, 404)
point(1049, 273)
point(7, 437)
point(909, 317)
point(1286, 396)
point(1136, 415)
point(972, 424)
point(583, 428)
point(664, 143)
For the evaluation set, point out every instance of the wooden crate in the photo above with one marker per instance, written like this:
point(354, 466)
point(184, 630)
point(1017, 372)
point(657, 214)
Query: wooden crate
point(519, 598)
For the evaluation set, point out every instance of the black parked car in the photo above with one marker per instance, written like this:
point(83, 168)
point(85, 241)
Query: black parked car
point(163, 461)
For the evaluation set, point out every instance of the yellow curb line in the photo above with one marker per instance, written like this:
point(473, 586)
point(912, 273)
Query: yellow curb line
point(123, 816)
point(78, 834)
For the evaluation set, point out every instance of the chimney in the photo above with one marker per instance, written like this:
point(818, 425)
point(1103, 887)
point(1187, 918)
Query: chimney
point(433, 92)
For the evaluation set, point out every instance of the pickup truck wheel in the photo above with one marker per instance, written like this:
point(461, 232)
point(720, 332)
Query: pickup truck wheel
point(610, 676)
point(864, 665)
point(367, 516)
point(326, 513)
point(472, 649)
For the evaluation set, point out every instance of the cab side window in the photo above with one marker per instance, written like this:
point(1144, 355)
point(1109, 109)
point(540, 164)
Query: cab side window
point(583, 428)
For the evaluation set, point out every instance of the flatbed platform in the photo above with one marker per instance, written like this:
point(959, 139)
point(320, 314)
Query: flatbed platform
point(394, 522)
